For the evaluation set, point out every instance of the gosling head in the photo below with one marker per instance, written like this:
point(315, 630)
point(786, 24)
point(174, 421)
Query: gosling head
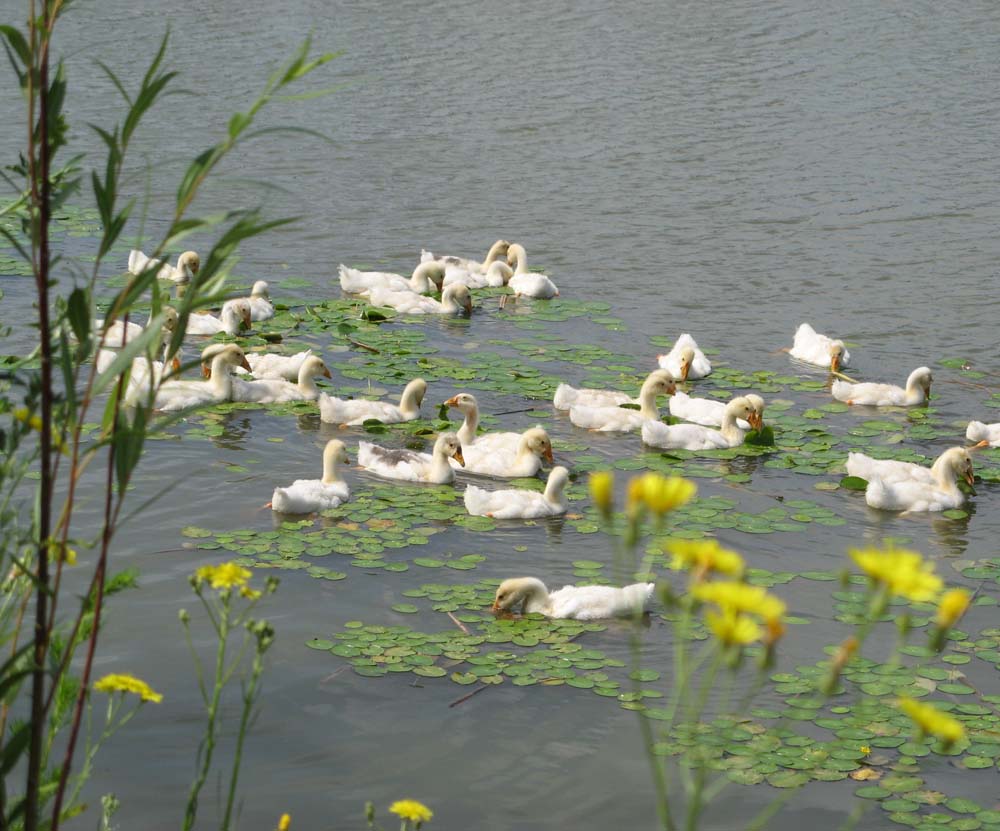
point(538, 442)
point(415, 391)
point(170, 318)
point(458, 293)
point(515, 592)
point(313, 366)
point(464, 402)
point(515, 252)
point(336, 451)
point(433, 270)
point(260, 290)
point(921, 377)
point(836, 355)
point(959, 460)
point(213, 350)
point(687, 358)
point(189, 263)
point(499, 270)
point(757, 422)
point(742, 407)
point(449, 445)
point(661, 382)
point(245, 313)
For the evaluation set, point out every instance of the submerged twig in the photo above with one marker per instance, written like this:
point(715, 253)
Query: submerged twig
point(459, 624)
point(361, 345)
point(467, 696)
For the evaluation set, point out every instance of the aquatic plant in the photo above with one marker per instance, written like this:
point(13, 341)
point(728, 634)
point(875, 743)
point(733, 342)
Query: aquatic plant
point(50, 395)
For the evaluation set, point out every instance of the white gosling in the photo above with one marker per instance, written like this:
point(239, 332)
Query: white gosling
point(188, 265)
point(528, 283)
point(520, 503)
point(509, 455)
point(120, 333)
point(304, 496)
point(497, 275)
point(178, 395)
point(276, 391)
point(234, 317)
point(144, 373)
point(261, 307)
point(911, 495)
point(528, 594)
point(351, 411)
point(705, 411)
point(917, 391)
point(410, 465)
point(685, 361)
point(620, 419)
point(272, 365)
point(567, 396)
point(697, 437)
point(455, 299)
point(426, 278)
point(497, 250)
point(978, 431)
point(465, 403)
point(813, 348)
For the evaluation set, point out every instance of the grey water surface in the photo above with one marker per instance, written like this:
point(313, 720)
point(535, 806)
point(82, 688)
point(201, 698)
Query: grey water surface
point(725, 169)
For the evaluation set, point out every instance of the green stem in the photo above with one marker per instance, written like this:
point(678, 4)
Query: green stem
point(249, 697)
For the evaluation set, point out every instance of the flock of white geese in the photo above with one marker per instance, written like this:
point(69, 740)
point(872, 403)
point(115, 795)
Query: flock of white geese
point(230, 374)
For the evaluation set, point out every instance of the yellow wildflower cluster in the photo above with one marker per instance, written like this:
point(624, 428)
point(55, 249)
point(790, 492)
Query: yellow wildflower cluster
point(659, 494)
point(224, 576)
point(410, 809)
point(952, 606)
point(117, 682)
point(738, 604)
point(602, 490)
point(703, 557)
point(932, 722)
point(285, 822)
point(902, 572)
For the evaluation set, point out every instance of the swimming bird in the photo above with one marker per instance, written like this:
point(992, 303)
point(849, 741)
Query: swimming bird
point(304, 496)
point(454, 300)
point(978, 431)
point(426, 279)
point(179, 395)
point(911, 495)
point(528, 283)
point(497, 250)
point(188, 265)
point(261, 307)
point(918, 390)
point(234, 317)
point(275, 391)
point(529, 594)
point(350, 411)
point(410, 465)
point(685, 361)
point(697, 437)
point(620, 419)
point(520, 503)
point(508, 455)
point(820, 350)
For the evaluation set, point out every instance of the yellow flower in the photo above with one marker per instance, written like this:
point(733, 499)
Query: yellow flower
point(602, 490)
point(865, 750)
point(412, 810)
point(223, 576)
point(660, 494)
point(903, 572)
point(285, 822)
point(732, 628)
point(931, 721)
point(704, 556)
point(127, 684)
point(952, 606)
point(250, 594)
point(739, 597)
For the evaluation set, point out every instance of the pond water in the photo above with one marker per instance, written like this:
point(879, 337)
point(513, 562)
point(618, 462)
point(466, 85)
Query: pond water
point(725, 170)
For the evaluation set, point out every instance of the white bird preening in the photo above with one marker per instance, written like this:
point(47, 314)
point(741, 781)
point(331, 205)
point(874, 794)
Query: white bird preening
point(911, 495)
point(271, 365)
point(529, 594)
point(979, 432)
point(274, 391)
point(261, 307)
point(119, 333)
point(685, 361)
point(497, 250)
point(696, 437)
point(188, 265)
point(498, 274)
point(619, 419)
point(520, 503)
point(178, 395)
point(917, 391)
point(508, 455)
point(528, 283)
point(426, 279)
point(410, 465)
point(454, 300)
point(351, 411)
point(304, 496)
point(820, 350)
point(234, 318)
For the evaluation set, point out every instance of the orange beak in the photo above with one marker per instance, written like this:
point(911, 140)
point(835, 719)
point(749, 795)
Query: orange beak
point(468, 307)
point(495, 607)
point(970, 478)
point(835, 363)
point(247, 322)
point(246, 364)
point(452, 402)
point(671, 388)
point(757, 421)
point(685, 369)
point(327, 373)
point(458, 457)
point(206, 371)
point(548, 455)
point(175, 364)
